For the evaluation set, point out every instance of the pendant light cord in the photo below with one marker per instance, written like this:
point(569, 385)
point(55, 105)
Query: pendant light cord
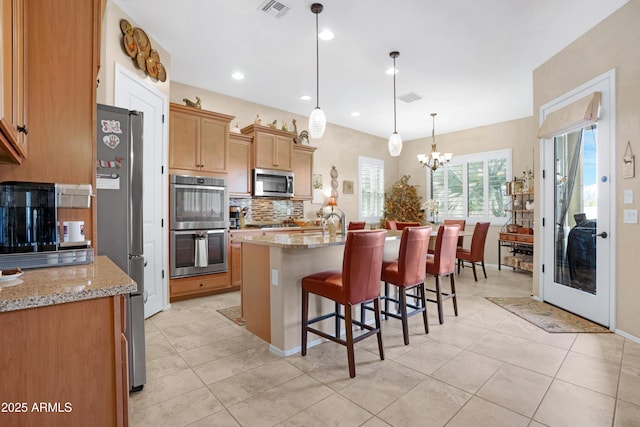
point(394, 94)
point(317, 65)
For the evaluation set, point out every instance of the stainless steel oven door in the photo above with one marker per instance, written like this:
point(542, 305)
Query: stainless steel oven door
point(198, 207)
point(196, 252)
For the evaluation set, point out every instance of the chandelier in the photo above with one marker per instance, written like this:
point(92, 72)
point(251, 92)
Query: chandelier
point(435, 159)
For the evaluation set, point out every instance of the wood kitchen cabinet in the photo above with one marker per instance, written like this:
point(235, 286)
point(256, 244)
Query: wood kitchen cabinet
point(272, 148)
point(198, 140)
point(73, 355)
point(303, 171)
point(59, 90)
point(239, 166)
point(13, 129)
point(197, 286)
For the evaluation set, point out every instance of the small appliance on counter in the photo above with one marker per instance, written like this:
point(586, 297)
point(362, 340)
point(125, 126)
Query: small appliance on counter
point(234, 217)
point(29, 226)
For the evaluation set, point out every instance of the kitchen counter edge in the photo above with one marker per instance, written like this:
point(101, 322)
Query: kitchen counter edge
point(57, 285)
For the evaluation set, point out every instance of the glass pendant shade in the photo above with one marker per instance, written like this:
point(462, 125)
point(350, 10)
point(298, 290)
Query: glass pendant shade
point(317, 123)
point(395, 144)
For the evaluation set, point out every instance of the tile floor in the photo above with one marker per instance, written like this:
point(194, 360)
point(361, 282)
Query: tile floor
point(485, 367)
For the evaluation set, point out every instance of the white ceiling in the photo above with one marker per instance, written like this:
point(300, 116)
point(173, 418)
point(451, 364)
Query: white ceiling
point(470, 60)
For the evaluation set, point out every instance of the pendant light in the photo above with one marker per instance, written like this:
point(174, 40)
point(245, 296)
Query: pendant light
point(317, 119)
point(395, 142)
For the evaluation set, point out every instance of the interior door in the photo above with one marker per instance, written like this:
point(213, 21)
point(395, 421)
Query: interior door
point(579, 209)
point(133, 94)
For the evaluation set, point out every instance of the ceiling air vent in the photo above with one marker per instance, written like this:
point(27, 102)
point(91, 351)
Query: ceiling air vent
point(274, 8)
point(409, 97)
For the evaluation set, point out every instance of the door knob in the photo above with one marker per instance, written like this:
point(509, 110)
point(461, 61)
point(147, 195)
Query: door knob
point(604, 235)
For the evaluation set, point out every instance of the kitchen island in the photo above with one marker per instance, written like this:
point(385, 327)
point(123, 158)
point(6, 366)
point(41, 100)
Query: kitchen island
point(62, 346)
point(272, 268)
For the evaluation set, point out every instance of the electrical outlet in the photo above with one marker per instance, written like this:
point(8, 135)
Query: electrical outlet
point(274, 277)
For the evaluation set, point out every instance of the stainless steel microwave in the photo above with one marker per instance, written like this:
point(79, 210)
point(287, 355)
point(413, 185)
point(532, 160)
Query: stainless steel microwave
point(272, 183)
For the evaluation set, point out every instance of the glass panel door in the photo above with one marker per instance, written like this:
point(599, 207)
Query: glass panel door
point(576, 210)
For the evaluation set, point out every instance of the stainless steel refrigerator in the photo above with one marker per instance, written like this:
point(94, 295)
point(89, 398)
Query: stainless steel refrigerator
point(119, 210)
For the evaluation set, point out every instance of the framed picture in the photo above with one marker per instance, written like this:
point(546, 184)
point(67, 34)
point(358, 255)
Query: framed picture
point(317, 181)
point(347, 187)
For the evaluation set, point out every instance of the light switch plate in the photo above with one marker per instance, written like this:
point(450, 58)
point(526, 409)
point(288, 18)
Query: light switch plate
point(631, 216)
point(274, 277)
point(628, 197)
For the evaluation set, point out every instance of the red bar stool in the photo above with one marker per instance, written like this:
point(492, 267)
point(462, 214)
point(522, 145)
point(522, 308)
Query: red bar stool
point(475, 254)
point(461, 223)
point(407, 273)
point(356, 225)
point(357, 283)
point(443, 263)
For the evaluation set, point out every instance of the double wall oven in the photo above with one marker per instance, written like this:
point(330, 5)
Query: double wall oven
point(199, 219)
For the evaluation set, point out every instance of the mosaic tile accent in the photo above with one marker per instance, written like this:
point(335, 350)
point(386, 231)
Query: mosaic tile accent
point(265, 209)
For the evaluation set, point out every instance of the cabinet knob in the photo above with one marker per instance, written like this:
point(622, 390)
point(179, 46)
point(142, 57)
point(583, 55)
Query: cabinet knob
point(23, 129)
point(201, 285)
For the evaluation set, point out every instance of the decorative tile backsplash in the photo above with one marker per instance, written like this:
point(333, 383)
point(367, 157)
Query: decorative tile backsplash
point(264, 209)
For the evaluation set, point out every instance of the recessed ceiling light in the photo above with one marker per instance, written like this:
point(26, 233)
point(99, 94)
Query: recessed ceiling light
point(355, 114)
point(305, 98)
point(238, 75)
point(391, 71)
point(326, 35)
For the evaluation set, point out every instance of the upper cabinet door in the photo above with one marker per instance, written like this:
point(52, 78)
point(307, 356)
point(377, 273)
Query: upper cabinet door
point(272, 148)
point(184, 136)
point(214, 141)
point(13, 127)
point(198, 140)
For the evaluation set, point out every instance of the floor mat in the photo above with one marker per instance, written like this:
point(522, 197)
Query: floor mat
point(547, 316)
point(233, 313)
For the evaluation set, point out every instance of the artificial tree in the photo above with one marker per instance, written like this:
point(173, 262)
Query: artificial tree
point(402, 203)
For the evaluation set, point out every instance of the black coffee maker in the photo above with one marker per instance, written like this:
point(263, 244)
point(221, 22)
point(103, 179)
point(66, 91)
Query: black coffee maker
point(28, 217)
point(234, 217)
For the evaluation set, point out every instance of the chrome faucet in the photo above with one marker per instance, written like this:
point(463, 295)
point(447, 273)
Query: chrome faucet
point(342, 217)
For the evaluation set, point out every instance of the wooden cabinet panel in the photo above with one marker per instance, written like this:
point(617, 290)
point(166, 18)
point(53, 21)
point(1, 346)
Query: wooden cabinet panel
point(235, 258)
point(284, 153)
point(67, 353)
point(264, 151)
point(60, 67)
point(214, 141)
point(184, 134)
point(272, 148)
point(12, 79)
point(239, 166)
point(198, 140)
point(303, 171)
point(189, 287)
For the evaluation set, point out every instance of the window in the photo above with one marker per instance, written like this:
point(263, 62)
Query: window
point(473, 186)
point(371, 194)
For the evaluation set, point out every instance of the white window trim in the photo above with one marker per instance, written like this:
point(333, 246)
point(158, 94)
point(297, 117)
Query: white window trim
point(463, 160)
point(368, 161)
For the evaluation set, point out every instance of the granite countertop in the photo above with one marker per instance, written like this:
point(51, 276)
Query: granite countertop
point(266, 228)
point(57, 285)
point(304, 240)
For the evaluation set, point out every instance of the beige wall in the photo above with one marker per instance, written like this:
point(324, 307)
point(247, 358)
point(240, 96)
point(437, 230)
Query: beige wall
point(339, 147)
point(611, 44)
point(518, 135)
point(112, 52)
